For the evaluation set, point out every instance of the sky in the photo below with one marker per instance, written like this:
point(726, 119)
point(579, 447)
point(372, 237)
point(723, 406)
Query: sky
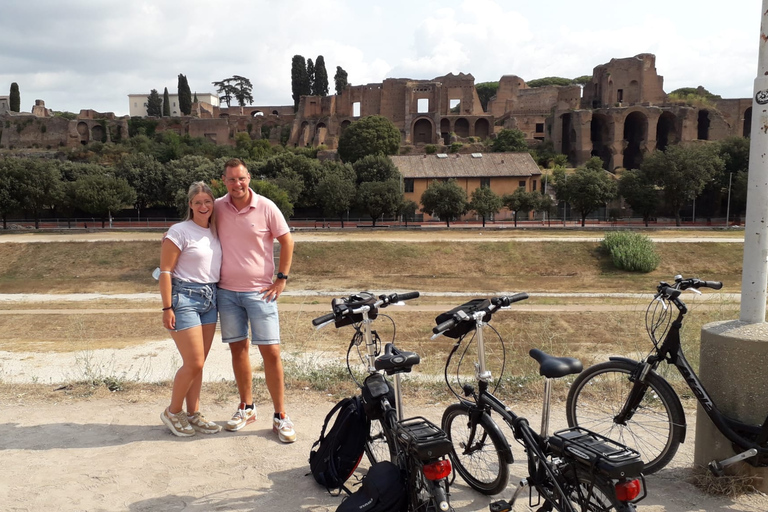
point(90, 54)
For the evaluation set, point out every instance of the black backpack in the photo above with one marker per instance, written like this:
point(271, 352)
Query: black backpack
point(383, 490)
point(339, 451)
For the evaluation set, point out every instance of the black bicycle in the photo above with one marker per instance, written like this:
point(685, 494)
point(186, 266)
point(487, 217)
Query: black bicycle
point(628, 401)
point(573, 470)
point(417, 446)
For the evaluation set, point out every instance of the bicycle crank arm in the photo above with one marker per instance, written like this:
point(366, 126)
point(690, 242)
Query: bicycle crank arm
point(717, 467)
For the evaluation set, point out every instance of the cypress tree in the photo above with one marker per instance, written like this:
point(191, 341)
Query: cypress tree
point(321, 77)
point(341, 79)
point(185, 96)
point(195, 99)
point(299, 80)
point(154, 104)
point(166, 104)
point(311, 77)
point(15, 99)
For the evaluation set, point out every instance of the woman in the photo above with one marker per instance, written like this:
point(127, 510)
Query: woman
point(190, 260)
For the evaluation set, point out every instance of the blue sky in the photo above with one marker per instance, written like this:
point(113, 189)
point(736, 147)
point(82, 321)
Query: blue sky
point(92, 53)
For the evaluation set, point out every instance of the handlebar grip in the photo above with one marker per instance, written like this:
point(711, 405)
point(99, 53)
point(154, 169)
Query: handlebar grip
point(444, 326)
point(670, 293)
point(404, 296)
point(322, 319)
point(715, 285)
point(518, 297)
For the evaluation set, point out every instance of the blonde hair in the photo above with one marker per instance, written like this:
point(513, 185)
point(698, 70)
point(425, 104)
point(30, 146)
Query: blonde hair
point(201, 187)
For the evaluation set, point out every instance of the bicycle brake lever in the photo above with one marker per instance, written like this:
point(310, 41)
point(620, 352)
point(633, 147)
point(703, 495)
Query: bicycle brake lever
point(663, 304)
point(318, 327)
point(435, 336)
point(694, 290)
point(398, 303)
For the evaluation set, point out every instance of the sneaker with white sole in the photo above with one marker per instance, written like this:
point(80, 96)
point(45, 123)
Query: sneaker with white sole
point(283, 427)
point(200, 424)
point(177, 423)
point(241, 418)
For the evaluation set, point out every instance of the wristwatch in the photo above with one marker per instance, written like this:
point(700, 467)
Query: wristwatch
point(280, 275)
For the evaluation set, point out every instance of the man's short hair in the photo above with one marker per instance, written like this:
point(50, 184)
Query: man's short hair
point(233, 162)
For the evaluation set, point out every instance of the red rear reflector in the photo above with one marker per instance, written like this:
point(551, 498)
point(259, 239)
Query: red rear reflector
point(437, 470)
point(627, 491)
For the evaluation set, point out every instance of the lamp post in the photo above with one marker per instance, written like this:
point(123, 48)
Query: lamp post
point(728, 208)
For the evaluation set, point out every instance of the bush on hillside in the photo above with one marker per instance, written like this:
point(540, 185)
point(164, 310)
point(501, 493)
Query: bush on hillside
point(632, 252)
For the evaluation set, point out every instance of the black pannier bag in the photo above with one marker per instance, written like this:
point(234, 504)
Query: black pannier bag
point(464, 327)
point(382, 490)
point(340, 449)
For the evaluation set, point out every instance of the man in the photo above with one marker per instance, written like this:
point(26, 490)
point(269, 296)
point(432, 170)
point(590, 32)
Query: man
point(247, 226)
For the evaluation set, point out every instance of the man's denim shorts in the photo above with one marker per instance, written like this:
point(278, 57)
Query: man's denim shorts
point(238, 309)
point(193, 303)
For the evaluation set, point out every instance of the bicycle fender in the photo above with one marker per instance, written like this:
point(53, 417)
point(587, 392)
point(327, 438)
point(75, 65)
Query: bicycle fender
point(662, 382)
point(507, 451)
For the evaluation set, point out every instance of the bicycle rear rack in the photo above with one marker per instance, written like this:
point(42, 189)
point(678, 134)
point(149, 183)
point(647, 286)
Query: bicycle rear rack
point(597, 452)
point(425, 438)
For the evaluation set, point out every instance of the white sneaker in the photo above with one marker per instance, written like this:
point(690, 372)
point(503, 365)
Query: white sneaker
point(200, 424)
point(177, 423)
point(283, 426)
point(241, 418)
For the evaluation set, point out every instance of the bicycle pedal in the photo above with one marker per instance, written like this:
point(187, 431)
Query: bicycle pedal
point(500, 506)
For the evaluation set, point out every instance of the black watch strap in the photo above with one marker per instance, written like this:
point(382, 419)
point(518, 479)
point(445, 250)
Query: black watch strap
point(280, 275)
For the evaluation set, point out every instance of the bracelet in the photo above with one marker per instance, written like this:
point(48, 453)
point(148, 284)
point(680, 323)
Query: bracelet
point(169, 307)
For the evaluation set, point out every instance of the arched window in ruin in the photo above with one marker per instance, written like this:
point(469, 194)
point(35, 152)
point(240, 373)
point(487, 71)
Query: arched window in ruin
point(600, 135)
point(666, 131)
point(275, 113)
point(482, 128)
point(569, 138)
point(98, 133)
point(422, 131)
point(345, 124)
point(256, 113)
point(632, 94)
point(83, 132)
point(320, 132)
point(635, 135)
point(461, 127)
point(703, 125)
point(304, 134)
point(747, 129)
point(445, 131)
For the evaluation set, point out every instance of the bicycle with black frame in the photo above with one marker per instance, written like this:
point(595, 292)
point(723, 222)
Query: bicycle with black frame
point(417, 446)
point(573, 470)
point(627, 399)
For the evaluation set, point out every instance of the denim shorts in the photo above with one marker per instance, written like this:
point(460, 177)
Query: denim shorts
point(238, 309)
point(193, 304)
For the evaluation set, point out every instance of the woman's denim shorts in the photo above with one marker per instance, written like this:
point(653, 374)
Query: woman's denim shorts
point(193, 304)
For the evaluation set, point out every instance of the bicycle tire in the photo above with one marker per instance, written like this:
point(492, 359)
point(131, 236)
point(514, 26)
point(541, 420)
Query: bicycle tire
point(595, 495)
point(655, 430)
point(485, 469)
point(379, 446)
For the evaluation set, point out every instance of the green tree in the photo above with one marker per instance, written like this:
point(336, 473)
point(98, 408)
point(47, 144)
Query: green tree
point(546, 205)
point(550, 80)
point(509, 141)
point(444, 199)
point(10, 168)
point(375, 168)
point(146, 176)
point(371, 135)
point(640, 193)
point(242, 90)
point(683, 172)
point(194, 100)
point(485, 203)
point(100, 195)
point(486, 91)
point(273, 192)
point(15, 99)
point(38, 186)
point(154, 104)
point(378, 198)
point(225, 90)
point(340, 79)
point(582, 80)
point(166, 104)
point(521, 201)
point(311, 76)
point(321, 77)
point(408, 209)
point(299, 80)
point(336, 189)
point(587, 189)
point(185, 96)
point(298, 175)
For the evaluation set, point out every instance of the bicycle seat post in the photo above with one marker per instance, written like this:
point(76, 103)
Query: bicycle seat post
point(545, 407)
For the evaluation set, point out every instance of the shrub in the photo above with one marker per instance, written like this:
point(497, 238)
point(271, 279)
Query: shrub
point(430, 149)
point(632, 252)
point(455, 147)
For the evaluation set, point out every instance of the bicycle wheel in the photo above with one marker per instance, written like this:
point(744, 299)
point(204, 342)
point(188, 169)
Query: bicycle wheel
point(655, 430)
point(595, 495)
point(379, 447)
point(481, 465)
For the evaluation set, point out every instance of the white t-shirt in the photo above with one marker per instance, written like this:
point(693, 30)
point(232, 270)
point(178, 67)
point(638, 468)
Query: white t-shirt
point(200, 258)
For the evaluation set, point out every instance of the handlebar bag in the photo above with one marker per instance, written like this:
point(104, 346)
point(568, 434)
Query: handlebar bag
point(354, 302)
point(373, 387)
point(464, 327)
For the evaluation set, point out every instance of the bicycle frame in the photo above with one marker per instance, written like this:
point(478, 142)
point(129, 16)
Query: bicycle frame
point(671, 351)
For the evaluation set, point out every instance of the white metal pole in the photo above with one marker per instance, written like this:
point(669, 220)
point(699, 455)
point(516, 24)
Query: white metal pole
point(755, 268)
point(728, 208)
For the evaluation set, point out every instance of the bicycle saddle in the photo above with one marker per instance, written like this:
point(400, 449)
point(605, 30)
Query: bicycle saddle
point(394, 360)
point(553, 367)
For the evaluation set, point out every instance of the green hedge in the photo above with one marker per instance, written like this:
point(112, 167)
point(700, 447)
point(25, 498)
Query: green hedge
point(631, 251)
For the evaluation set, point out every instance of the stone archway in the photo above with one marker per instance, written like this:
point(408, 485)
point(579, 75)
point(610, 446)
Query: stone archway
point(98, 133)
point(320, 132)
point(256, 113)
point(445, 131)
point(568, 138)
point(666, 131)
point(304, 134)
point(482, 128)
point(461, 127)
point(747, 129)
point(600, 135)
point(702, 125)
point(344, 125)
point(83, 132)
point(422, 131)
point(635, 136)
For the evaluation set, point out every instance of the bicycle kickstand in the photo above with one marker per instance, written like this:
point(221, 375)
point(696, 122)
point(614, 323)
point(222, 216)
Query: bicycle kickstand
point(717, 467)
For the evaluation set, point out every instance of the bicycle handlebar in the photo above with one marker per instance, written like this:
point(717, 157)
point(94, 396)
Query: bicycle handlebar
point(363, 302)
point(489, 306)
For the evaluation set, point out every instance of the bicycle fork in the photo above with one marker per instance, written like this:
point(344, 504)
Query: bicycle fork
point(636, 394)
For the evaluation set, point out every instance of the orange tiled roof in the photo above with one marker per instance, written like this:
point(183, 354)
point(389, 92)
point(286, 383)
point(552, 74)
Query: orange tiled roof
point(478, 165)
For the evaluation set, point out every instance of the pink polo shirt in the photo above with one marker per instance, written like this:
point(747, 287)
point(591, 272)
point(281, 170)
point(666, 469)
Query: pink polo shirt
point(247, 242)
